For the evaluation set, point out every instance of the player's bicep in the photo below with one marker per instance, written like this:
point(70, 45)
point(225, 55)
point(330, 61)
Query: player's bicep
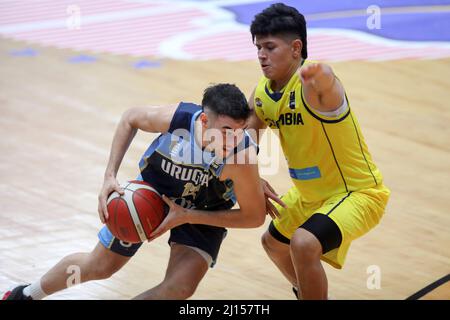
point(151, 118)
point(248, 190)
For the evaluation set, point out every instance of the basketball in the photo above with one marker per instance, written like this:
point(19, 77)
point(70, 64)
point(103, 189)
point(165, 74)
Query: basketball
point(133, 216)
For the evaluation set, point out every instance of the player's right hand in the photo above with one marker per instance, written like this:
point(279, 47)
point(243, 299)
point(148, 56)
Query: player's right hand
point(110, 185)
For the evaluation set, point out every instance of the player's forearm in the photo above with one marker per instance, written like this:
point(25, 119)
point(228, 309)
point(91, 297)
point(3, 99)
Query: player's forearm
point(234, 218)
point(122, 139)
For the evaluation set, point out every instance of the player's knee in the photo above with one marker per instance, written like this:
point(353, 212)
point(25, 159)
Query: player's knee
point(272, 246)
point(266, 242)
point(305, 247)
point(98, 269)
point(101, 271)
point(179, 291)
point(186, 291)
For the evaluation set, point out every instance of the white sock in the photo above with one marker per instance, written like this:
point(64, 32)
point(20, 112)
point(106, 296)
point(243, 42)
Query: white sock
point(35, 291)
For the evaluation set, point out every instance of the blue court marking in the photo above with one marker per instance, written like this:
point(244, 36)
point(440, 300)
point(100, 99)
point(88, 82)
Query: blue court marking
point(82, 58)
point(404, 25)
point(27, 52)
point(145, 64)
point(432, 26)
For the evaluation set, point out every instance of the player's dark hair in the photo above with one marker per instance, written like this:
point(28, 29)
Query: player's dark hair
point(278, 20)
point(227, 100)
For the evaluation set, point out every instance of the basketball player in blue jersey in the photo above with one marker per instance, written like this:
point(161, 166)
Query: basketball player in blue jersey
point(338, 193)
point(200, 183)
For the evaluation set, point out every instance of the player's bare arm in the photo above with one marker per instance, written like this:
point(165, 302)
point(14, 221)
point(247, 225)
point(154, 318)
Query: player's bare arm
point(150, 119)
point(322, 90)
point(249, 194)
point(257, 126)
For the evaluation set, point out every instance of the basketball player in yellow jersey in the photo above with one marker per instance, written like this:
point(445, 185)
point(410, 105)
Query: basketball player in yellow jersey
point(339, 193)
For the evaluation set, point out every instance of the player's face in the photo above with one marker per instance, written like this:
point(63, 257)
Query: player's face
point(227, 132)
point(277, 56)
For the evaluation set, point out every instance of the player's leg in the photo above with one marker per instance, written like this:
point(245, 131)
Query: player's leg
point(276, 240)
point(278, 250)
point(194, 248)
point(328, 233)
point(99, 264)
point(109, 256)
point(306, 251)
point(184, 272)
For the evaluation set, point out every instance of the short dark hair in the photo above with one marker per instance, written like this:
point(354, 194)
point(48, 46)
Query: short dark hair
point(280, 19)
point(227, 100)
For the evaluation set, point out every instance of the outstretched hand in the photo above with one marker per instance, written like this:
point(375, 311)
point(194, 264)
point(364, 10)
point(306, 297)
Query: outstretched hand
point(177, 216)
point(270, 193)
point(320, 76)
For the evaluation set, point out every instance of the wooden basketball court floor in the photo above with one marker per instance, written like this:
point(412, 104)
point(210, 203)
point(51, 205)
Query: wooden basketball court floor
point(56, 125)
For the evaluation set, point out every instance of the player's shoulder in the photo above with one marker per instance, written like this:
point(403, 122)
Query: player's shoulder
point(182, 117)
point(187, 108)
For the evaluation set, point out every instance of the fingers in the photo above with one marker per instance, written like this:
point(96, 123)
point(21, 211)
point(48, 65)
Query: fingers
point(272, 215)
point(272, 194)
point(307, 73)
point(119, 189)
point(310, 69)
point(162, 228)
point(167, 201)
point(279, 201)
point(269, 194)
point(268, 186)
point(109, 186)
point(271, 209)
point(102, 209)
point(268, 189)
point(102, 203)
point(275, 198)
point(100, 213)
point(105, 210)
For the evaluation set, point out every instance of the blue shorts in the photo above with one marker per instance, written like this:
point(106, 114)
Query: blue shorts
point(197, 236)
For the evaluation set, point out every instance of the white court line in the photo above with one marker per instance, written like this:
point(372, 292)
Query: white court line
point(218, 21)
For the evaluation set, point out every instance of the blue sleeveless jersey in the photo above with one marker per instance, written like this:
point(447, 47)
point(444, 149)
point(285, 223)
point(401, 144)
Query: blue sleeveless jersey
point(176, 165)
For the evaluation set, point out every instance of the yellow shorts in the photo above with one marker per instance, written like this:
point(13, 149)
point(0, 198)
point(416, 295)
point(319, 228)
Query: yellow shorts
point(355, 213)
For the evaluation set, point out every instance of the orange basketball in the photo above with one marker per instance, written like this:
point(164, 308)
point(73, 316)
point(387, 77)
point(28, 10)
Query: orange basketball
point(133, 216)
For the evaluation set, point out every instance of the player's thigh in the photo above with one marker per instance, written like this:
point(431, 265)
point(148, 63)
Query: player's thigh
point(110, 254)
point(275, 244)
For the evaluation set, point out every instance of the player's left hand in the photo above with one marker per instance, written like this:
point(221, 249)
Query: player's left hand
point(270, 193)
point(177, 216)
point(320, 76)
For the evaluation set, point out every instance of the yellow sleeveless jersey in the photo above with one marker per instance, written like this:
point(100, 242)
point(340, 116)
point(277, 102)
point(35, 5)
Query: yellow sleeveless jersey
point(325, 155)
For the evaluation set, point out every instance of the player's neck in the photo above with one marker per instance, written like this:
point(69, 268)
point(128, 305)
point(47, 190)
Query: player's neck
point(278, 85)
